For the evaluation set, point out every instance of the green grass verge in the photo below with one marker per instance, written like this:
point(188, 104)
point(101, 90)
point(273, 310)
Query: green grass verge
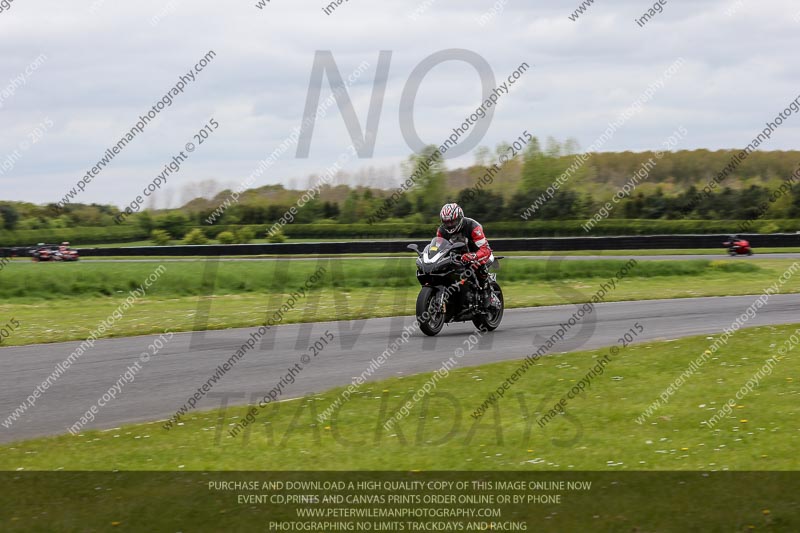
point(177, 242)
point(247, 292)
point(52, 281)
point(600, 432)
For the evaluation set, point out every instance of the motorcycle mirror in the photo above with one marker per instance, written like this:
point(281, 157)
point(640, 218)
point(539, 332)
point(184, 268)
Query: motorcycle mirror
point(413, 247)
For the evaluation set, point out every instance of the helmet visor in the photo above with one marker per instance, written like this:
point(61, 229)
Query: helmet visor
point(450, 225)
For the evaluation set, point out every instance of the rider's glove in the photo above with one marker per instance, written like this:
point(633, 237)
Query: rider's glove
point(468, 258)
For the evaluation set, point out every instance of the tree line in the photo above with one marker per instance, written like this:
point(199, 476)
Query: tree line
point(516, 183)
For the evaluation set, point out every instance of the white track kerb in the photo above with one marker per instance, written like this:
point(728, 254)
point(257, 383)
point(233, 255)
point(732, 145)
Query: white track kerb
point(84, 346)
point(721, 341)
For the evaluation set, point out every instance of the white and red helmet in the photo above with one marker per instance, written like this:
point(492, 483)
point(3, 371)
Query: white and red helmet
point(452, 217)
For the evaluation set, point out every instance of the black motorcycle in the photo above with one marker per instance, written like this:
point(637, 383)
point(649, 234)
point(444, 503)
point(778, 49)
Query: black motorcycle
point(452, 291)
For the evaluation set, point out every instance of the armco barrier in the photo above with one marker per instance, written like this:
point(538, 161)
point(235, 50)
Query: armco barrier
point(556, 244)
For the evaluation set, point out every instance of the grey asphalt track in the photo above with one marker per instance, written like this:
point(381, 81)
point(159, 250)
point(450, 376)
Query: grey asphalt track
point(620, 256)
point(188, 360)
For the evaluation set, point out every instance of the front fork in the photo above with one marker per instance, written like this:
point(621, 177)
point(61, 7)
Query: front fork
point(439, 303)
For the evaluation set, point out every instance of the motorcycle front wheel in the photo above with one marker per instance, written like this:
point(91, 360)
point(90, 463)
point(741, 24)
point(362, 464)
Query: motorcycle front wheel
point(431, 320)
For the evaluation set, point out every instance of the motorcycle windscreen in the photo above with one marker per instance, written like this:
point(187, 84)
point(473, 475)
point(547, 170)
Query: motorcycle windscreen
point(437, 245)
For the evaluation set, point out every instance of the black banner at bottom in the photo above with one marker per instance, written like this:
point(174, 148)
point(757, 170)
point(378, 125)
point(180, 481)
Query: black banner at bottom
point(400, 501)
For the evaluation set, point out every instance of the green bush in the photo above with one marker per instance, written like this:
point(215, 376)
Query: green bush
point(276, 236)
point(244, 235)
point(770, 227)
point(196, 236)
point(160, 237)
point(226, 237)
point(213, 231)
point(173, 222)
point(78, 236)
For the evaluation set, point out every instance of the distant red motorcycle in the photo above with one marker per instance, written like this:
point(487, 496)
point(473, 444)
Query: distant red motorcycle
point(737, 246)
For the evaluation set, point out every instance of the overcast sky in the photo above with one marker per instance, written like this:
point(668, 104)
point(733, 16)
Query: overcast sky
point(107, 62)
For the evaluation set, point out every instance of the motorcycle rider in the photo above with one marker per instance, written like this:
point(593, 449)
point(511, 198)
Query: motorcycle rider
point(457, 228)
point(735, 242)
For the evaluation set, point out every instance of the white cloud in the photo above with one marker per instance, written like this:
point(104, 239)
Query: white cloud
point(106, 67)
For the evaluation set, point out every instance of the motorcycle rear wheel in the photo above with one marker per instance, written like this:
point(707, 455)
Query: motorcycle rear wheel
point(490, 321)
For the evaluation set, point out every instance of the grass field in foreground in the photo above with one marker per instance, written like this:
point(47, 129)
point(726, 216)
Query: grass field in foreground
point(247, 292)
point(53, 281)
point(600, 432)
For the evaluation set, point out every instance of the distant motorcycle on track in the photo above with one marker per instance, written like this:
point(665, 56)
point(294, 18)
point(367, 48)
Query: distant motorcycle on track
point(54, 252)
point(452, 290)
point(737, 246)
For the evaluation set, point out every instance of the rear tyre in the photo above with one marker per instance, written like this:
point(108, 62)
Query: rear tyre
point(490, 321)
point(431, 320)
